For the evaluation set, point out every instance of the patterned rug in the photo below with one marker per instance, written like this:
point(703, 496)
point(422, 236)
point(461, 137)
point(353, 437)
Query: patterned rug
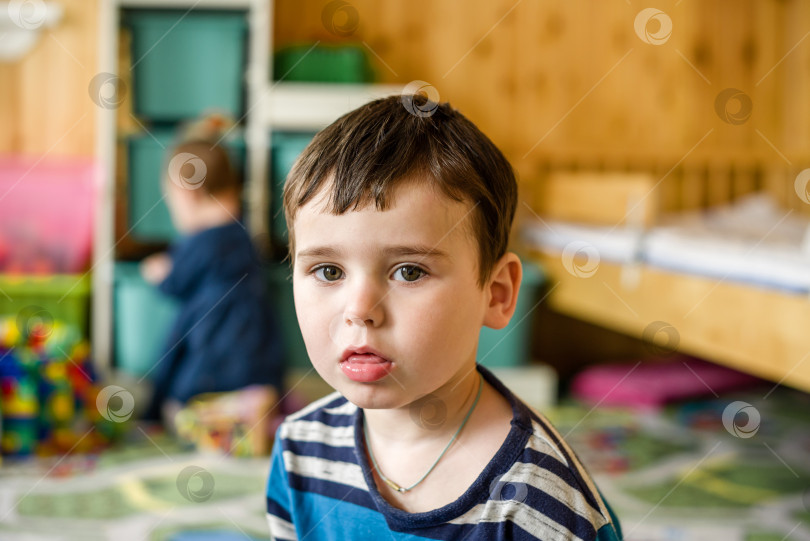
point(681, 473)
point(736, 467)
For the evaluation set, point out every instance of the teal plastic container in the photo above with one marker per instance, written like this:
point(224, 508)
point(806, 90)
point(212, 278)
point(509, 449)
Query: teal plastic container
point(286, 146)
point(143, 319)
point(279, 281)
point(511, 346)
point(149, 218)
point(184, 63)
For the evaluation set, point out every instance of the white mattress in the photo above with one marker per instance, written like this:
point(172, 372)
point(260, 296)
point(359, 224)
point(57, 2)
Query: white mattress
point(617, 244)
point(752, 241)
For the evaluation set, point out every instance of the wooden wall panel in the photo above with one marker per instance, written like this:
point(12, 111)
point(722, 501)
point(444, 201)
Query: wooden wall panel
point(795, 72)
point(8, 97)
point(45, 104)
point(574, 78)
point(566, 78)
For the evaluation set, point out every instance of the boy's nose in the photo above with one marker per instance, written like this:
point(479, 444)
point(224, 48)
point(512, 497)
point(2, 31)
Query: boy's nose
point(364, 306)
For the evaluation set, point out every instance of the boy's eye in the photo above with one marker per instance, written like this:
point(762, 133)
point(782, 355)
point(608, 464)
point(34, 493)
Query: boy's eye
point(409, 273)
point(329, 273)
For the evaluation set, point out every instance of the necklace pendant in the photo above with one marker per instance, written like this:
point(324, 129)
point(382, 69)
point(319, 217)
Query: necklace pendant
point(393, 485)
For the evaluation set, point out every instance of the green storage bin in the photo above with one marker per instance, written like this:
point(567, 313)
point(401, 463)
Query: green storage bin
point(63, 297)
point(149, 217)
point(323, 64)
point(285, 148)
point(185, 62)
point(511, 345)
point(143, 319)
point(281, 291)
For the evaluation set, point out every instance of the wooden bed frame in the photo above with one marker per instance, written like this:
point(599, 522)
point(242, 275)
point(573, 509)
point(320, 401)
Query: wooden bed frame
point(754, 329)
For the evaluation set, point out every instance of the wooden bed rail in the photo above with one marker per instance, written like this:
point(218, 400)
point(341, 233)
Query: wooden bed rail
point(678, 184)
point(751, 328)
point(613, 198)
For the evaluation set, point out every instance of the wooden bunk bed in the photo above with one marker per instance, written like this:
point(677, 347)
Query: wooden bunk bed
point(758, 330)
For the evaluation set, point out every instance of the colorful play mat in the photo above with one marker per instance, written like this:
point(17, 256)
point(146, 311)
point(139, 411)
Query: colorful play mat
point(735, 467)
point(731, 468)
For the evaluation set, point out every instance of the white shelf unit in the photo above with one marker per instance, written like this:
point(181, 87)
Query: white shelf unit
point(256, 138)
point(311, 107)
point(269, 106)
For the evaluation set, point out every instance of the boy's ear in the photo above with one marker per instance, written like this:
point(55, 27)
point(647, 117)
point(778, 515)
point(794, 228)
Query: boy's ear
point(503, 286)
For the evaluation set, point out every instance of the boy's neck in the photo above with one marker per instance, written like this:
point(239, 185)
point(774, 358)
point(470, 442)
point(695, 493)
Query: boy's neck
point(420, 460)
point(436, 416)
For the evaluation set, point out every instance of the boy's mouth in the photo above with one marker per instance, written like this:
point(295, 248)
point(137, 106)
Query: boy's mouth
point(364, 365)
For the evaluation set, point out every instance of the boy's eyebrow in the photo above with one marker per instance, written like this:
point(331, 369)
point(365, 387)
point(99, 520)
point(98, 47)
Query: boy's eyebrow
point(398, 250)
point(318, 251)
point(416, 250)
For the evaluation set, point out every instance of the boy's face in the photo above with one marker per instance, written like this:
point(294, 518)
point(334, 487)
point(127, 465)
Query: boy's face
point(402, 283)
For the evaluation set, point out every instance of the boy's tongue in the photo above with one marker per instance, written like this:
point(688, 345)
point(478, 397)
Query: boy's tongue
point(365, 367)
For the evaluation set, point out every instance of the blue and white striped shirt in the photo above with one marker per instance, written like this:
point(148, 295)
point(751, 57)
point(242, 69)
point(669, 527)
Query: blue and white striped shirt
point(321, 486)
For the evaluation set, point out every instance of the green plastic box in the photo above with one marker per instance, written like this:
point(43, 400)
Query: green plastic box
point(59, 297)
point(285, 148)
point(143, 320)
point(323, 64)
point(186, 62)
point(149, 218)
point(511, 345)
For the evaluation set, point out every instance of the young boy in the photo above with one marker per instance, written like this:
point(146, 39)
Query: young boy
point(399, 225)
point(226, 336)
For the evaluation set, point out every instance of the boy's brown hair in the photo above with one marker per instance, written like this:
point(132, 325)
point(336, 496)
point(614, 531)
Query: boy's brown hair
point(367, 152)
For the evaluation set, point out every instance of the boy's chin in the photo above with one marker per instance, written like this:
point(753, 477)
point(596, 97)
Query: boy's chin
point(369, 396)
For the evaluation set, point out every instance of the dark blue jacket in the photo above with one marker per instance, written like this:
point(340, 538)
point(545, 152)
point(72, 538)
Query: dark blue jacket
point(226, 335)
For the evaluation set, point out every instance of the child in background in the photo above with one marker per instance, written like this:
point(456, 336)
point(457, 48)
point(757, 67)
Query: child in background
point(399, 216)
point(226, 336)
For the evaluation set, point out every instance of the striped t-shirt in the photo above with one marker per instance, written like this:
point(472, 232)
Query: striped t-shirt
point(321, 486)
